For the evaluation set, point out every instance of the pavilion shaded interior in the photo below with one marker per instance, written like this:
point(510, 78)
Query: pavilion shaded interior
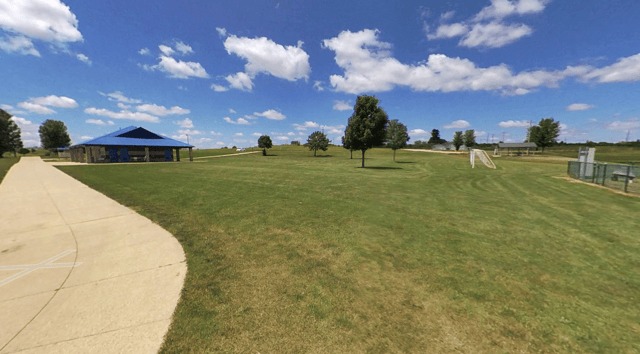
point(131, 144)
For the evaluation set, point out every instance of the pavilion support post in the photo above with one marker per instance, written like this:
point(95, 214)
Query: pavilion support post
point(86, 154)
point(177, 154)
point(190, 154)
point(146, 154)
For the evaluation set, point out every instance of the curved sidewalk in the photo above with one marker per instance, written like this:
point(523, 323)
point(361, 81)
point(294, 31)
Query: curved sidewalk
point(80, 273)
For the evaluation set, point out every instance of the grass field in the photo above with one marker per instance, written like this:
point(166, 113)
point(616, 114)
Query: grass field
point(212, 152)
point(294, 254)
point(609, 154)
point(5, 165)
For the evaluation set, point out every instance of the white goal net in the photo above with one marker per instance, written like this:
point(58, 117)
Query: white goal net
point(483, 156)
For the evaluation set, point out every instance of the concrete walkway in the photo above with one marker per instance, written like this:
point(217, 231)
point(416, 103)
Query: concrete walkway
point(80, 273)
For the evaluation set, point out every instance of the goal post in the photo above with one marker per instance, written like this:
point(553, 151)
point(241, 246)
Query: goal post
point(483, 156)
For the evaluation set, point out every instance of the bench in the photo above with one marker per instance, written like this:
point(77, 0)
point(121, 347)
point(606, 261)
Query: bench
point(621, 175)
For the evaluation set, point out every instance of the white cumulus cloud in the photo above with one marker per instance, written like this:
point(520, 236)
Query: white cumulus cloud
point(185, 123)
point(179, 69)
point(46, 20)
point(56, 101)
point(95, 121)
point(119, 97)
point(458, 124)
point(124, 114)
point(514, 124)
point(218, 88)
point(487, 29)
point(39, 104)
point(419, 132)
point(624, 125)
point(144, 51)
point(369, 67)
point(502, 8)
point(18, 45)
point(240, 121)
point(161, 110)
point(83, 58)
point(266, 56)
point(494, 34)
point(624, 70)
point(578, 107)
point(341, 106)
point(306, 125)
point(240, 81)
point(271, 114)
point(183, 48)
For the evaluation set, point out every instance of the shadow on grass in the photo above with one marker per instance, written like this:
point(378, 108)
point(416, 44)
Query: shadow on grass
point(324, 156)
point(405, 162)
point(381, 168)
point(269, 155)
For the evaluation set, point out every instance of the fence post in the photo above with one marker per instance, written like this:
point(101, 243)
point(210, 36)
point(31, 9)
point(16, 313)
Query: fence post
point(593, 172)
point(604, 174)
point(626, 180)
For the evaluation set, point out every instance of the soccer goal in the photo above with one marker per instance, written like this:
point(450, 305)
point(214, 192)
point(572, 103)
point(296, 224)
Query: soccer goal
point(483, 156)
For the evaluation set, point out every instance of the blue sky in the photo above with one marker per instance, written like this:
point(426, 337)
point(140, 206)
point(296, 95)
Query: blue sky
point(226, 72)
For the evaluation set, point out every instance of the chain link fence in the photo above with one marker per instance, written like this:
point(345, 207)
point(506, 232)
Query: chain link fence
point(620, 177)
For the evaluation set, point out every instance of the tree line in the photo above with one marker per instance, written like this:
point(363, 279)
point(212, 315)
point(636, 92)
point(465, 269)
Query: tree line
point(53, 134)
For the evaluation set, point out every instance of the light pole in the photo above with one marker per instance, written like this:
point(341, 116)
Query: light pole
point(187, 138)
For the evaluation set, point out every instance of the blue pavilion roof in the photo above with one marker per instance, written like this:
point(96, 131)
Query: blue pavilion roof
point(135, 136)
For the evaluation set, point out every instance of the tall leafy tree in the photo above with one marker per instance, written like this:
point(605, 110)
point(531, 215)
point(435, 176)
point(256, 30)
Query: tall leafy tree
point(397, 136)
point(367, 125)
point(457, 140)
point(9, 134)
point(264, 142)
point(317, 141)
point(53, 134)
point(545, 134)
point(435, 137)
point(470, 138)
point(346, 144)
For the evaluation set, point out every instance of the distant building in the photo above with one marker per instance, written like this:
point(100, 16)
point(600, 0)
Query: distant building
point(516, 149)
point(131, 144)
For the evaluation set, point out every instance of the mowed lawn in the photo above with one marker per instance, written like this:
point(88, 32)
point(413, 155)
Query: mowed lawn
point(5, 165)
point(609, 154)
point(296, 254)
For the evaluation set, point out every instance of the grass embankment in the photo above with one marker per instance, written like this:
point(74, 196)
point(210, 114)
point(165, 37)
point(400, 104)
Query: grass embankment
point(5, 165)
point(295, 254)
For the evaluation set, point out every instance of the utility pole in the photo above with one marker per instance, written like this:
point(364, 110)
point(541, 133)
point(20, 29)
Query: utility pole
point(187, 138)
point(493, 140)
point(628, 132)
point(503, 134)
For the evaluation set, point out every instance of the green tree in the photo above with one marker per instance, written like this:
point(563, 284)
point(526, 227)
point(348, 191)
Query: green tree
point(457, 140)
point(545, 133)
point(317, 141)
point(264, 142)
point(469, 138)
point(53, 134)
point(367, 125)
point(295, 143)
point(397, 136)
point(435, 137)
point(9, 134)
point(346, 144)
